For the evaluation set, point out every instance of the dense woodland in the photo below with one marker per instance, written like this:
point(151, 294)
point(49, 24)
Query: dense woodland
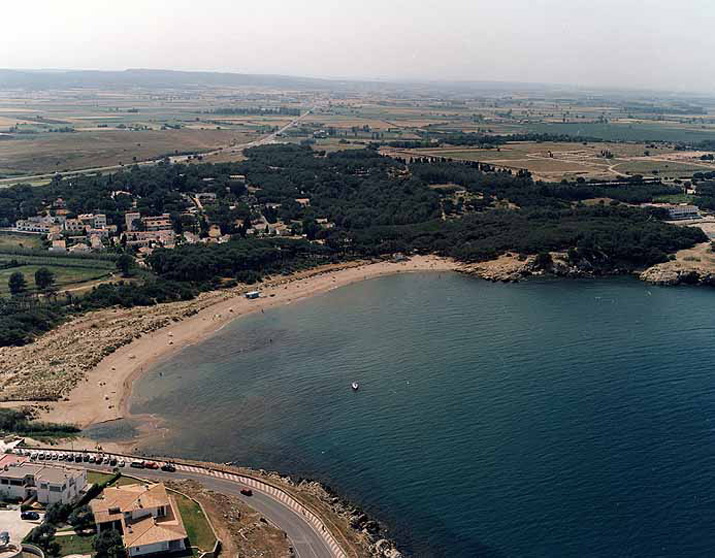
point(375, 206)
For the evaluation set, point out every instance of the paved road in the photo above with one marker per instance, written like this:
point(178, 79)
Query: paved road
point(270, 138)
point(304, 535)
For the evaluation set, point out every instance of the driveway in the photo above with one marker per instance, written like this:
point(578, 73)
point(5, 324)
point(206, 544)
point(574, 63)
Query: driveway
point(10, 521)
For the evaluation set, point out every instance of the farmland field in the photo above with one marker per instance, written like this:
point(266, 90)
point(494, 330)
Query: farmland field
point(69, 272)
point(43, 153)
point(627, 131)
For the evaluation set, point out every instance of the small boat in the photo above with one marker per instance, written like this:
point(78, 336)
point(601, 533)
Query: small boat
point(355, 386)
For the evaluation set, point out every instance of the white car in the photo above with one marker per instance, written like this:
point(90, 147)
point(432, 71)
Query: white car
point(121, 463)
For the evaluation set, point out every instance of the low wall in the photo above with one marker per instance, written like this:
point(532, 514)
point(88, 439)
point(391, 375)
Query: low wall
point(32, 550)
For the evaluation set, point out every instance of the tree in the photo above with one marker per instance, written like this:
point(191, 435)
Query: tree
point(44, 278)
point(57, 513)
point(109, 544)
point(17, 283)
point(81, 518)
point(124, 264)
point(44, 536)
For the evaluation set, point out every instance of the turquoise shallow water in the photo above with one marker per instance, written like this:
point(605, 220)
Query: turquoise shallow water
point(548, 418)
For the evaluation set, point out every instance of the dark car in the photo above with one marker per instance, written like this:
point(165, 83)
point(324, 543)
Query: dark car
point(137, 464)
point(168, 467)
point(30, 515)
point(85, 457)
point(247, 492)
point(113, 461)
point(78, 458)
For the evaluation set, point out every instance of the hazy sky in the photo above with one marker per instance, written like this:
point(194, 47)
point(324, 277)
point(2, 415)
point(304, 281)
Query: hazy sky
point(641, 43)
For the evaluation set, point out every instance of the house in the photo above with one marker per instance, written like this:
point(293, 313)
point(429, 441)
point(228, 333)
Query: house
point(146, 516)
point(48, 483)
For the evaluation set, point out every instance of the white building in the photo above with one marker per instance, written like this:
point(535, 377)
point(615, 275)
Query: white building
point(683, 212)
point(49, 483)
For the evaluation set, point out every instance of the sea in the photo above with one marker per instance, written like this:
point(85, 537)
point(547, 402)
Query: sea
point(548, 418)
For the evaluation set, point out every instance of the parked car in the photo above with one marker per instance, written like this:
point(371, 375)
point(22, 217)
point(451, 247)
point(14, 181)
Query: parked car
point(151, 465)
point(85, 457)
point(137, 464)
point(78, 458)
point(247, 492)
point(168, 467)
point(121, 463)
point(30, 515)
point(113, 461)
point(92, 459)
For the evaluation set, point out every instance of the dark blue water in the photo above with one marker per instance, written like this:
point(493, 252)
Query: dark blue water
point(548, 418)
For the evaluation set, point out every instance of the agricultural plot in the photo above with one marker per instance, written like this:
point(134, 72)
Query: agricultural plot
point(44, 153)
point(70, 273)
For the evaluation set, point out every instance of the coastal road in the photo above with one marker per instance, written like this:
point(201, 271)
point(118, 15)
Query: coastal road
point(270, 138)
point(308, 538)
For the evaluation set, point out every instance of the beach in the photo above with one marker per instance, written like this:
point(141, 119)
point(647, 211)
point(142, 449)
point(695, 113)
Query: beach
point(102, 376)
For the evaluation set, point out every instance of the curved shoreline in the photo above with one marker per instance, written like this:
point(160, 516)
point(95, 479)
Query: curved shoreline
point(105, 394)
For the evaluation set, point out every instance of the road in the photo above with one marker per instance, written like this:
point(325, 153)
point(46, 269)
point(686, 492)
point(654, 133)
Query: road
point(308, 538)
point(270, 138)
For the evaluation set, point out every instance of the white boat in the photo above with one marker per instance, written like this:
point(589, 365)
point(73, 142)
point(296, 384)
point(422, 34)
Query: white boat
point(355, 386)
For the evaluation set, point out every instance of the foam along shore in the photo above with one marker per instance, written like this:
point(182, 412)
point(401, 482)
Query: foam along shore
point(104, 396)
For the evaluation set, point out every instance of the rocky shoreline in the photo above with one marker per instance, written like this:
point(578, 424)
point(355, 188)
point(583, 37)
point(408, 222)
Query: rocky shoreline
point(685, 269)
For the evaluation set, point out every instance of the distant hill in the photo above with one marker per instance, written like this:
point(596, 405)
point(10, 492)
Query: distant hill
point(150, 79)
point(171, 79)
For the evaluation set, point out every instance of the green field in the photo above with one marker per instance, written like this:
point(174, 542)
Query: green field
point(196, 524)
point(69, 272)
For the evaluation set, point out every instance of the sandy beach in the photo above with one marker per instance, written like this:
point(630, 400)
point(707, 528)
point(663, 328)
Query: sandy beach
point(104, 393)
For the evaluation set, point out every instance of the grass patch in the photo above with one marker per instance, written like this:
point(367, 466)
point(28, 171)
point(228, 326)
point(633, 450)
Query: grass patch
point(195, 522)
point(75, 544)
point(15, 241)
point(675, 198)
point(96, 477)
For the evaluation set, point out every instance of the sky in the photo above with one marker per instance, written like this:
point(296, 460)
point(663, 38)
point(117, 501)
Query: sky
point(655, 44)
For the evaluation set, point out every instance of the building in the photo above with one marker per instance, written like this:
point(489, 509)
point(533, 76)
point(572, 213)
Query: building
point(683, 212)
point(75, 226)
point(48, 483)
point(158, 223)
point(146, 516)
point(100, 221)
point(35, 224)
